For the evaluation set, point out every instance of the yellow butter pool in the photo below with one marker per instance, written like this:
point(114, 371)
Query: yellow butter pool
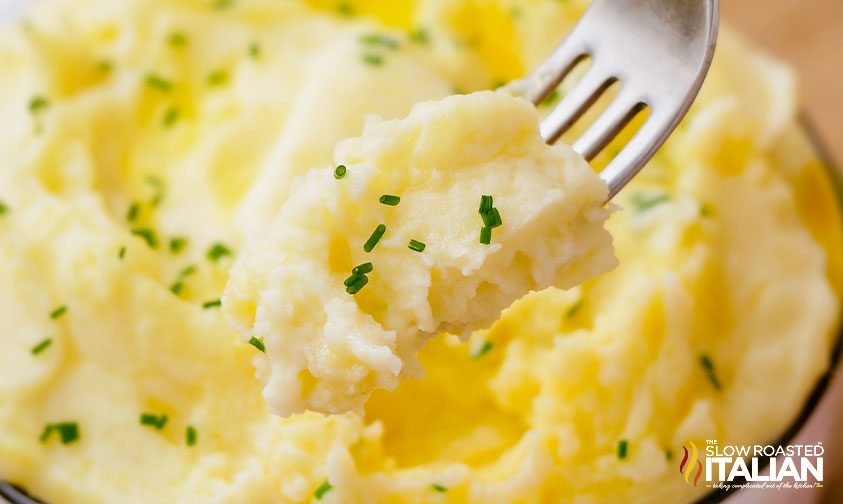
point(144, 141)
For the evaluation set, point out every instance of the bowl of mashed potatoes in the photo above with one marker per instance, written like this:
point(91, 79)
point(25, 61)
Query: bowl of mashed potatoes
point(160, 155)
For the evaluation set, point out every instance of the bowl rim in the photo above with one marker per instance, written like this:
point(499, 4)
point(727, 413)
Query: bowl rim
point(16, 495)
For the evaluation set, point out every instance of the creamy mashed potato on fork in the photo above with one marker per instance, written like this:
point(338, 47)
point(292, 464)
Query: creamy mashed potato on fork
point(145, 142)
point(440, 257)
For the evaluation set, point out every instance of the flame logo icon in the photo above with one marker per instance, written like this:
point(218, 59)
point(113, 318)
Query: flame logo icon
point(690, 467)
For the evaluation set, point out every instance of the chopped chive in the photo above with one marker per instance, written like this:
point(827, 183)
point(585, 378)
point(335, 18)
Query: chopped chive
point(574, 309)
point(177, 287)
point(390, 200)
point(706, 211)
point(485, 235)
point(158, 187)
point(492, 219)
point(255, 51)
point(37, 104)
point(358, 284)
point(375, 238)
point(171, 117)
point(122, 252)
point(482, 350)
point(708, 366)
point(257, 343)
point(375, 39)
point(190, 436)
point(623, 447)
point(486, 204)
point(58, 312)
point(155, 421)
point(68, 432)
point(177, 39)
point(188, 271)
point(223, 4)
point(340, 171)
point(372, 59)
point(177, 244)
point(133, 212)
point(551, 99)
point(218, 78)
point(498, 84)
point(218, 251)
point(350, 280)
point(103, 67)
point(642, 202)
point(3, 208)
point(345, 9)
point(439, 488)
point(148, 235)
point(159, 83)
point(668, 455)
point(363, 269)
point(40, 347)
point(214, 303)
point(417, 246)
point(419, 36)
point(324, 488)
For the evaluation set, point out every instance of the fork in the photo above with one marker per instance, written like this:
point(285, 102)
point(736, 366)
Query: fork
point(658, 51)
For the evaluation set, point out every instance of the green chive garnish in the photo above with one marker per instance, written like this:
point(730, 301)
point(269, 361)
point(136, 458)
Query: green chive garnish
point(68, 432)
point(623, 446)
point(148, 235)
point(379, 40)
point(344, 9)
point(439, 488)
point(358, 284)
point(158, 187)
point(492, 219)
point(189, 270)
point(324, 488)
point(218, 78)
point(190, 435)
point(58, 312)
point(177, 39)
point(155, 421)
point(257, 343)
point(340, 172)
point(668, 455)
point(574, 309)
point(706, 211)
point(486, 204)
point(40, 347)
point(218, 251)
point(171, 117)
point(485, 348)
point(159, 83)
point(215, 303)
point(255, 50)
point(104, 67)
point(372, 59)
point(37, 104)
point(177, 287)
point(485, 235)
point(363, 269)
point(177, 244)
point(551, 99)
point(3, 208)
point(417, 246)
point(390, 200)
point(223, 4)
point(419, 36)
point(375, 238)
point(350, 280)
point(122, 252)
point(642, 202)
point(133, 212)
point(708, 366)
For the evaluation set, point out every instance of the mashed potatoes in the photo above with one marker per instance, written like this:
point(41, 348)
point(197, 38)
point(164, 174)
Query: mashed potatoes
point(438, 257)
point(144, 142)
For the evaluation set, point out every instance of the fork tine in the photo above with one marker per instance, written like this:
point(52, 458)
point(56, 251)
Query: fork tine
point(574, 104)
point(619, 113)
point(553, 70)
point(638, 151)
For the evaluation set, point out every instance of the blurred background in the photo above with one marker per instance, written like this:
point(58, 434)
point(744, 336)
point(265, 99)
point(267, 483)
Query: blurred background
point(808, 34)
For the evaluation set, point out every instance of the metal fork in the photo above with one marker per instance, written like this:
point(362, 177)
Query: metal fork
point(658, 51)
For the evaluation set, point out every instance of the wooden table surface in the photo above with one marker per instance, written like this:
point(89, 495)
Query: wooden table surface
point(809, 35)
